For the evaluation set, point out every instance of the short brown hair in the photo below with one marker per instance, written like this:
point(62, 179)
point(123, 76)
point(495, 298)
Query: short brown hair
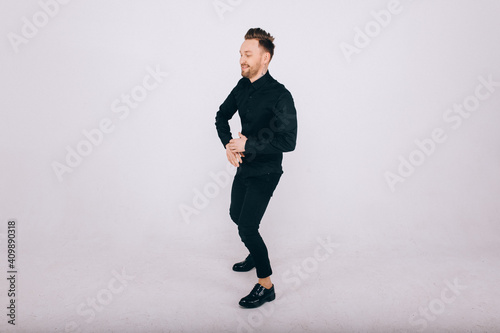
point(265, 39)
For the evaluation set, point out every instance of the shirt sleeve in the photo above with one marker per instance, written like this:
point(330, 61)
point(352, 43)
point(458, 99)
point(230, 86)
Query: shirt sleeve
point(225, 113)
point(281, 134)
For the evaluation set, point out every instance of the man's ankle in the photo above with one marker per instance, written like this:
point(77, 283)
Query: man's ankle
point(266, 284)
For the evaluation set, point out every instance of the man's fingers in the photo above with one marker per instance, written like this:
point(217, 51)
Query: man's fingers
point(232, 158)
point(237, 158)
point(233, 148)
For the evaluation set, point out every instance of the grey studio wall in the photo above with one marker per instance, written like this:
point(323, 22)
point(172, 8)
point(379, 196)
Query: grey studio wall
point(110, 161)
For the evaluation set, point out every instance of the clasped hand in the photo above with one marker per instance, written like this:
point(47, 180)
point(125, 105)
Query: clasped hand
point(235, 149)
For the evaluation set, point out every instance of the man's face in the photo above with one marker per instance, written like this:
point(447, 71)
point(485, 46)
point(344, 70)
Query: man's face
point(252, 60)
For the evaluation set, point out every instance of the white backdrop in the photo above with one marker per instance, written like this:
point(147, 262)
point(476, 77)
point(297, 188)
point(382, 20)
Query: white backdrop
point(110, 162)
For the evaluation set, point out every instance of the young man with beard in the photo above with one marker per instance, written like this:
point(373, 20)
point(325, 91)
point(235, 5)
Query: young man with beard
point(268, 129)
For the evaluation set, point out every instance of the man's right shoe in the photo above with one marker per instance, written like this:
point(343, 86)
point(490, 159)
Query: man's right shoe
point(258, 296)
point(245, 265)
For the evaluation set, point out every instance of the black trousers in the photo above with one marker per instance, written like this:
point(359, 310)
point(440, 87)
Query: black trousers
point(249, 199)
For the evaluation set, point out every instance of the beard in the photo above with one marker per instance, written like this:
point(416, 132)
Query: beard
point(250, 72)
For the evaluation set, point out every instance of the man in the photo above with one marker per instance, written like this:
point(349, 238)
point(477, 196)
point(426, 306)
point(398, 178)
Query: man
point(268, 129)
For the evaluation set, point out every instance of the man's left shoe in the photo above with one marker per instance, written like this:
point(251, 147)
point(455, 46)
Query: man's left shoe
point(258, 296)
point(245, 265)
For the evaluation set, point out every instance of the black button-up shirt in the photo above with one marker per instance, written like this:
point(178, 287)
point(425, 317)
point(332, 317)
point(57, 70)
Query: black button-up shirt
point(268, 120)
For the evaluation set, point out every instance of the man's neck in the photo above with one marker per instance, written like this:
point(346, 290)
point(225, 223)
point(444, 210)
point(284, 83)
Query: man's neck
point(256, 77)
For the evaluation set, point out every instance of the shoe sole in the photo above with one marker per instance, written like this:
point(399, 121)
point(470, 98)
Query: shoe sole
point(242, 270)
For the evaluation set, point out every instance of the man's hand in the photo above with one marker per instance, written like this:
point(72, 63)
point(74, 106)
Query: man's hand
point(234, 158)
point(237, 145)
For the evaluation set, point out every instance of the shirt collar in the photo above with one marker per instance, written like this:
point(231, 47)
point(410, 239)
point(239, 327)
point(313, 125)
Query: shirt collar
point(261, 81)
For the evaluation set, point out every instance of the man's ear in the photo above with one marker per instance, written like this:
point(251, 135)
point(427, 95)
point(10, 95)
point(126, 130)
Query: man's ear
point(267, 57)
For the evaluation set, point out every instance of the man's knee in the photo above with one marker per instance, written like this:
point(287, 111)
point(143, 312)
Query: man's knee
point(248, 233)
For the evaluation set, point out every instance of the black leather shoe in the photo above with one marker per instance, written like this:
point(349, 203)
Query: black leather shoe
point(258, 296)
point(245, 265)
